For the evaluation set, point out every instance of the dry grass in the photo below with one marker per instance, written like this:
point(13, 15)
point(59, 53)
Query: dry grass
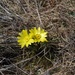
point(57, 57)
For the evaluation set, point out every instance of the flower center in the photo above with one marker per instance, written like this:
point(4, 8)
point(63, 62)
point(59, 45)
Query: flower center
point(27, 39)
point(37, 36)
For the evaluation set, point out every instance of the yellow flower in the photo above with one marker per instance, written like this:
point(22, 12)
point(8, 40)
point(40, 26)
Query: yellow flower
point(24, 39)
point(38, 34)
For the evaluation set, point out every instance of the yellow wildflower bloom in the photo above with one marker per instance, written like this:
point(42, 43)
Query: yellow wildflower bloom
point(24, 39)
point(38, 34)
